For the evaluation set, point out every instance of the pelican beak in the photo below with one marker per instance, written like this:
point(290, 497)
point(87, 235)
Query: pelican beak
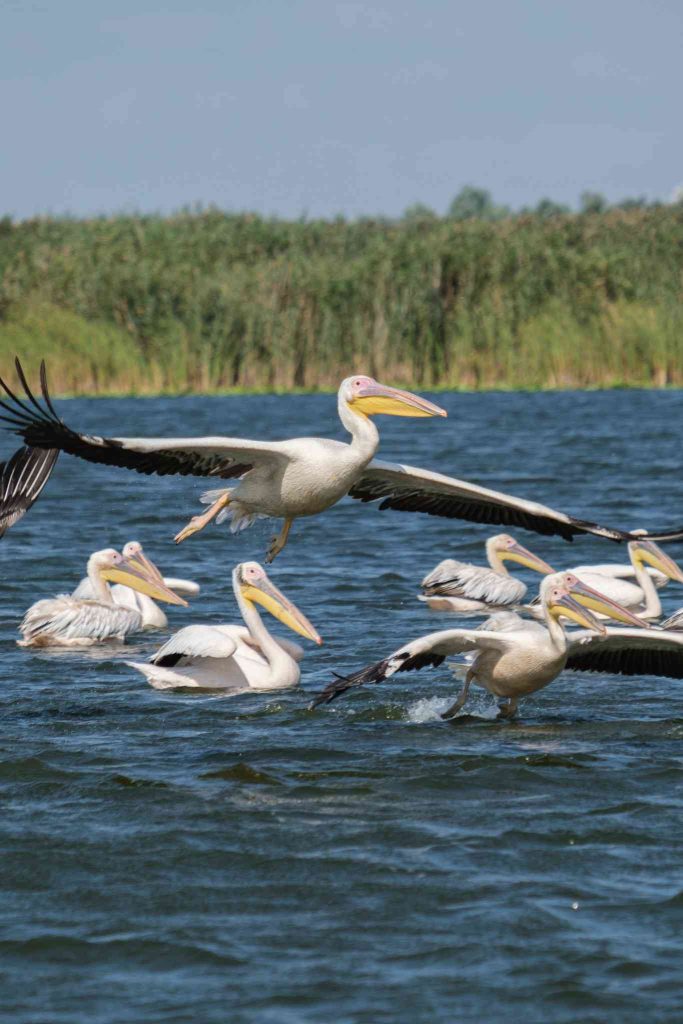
point(571, 609)
point(648, 551)
point(593, 599)
point(145, 565)
point(375, 399)
point(518, 553)
point(274, 601)
point(140, 574)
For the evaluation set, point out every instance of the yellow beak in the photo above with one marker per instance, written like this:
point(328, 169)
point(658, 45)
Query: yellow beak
point(140, 574)
point(648, 551)
point(518, 553)
point(571, 609)
point(379, 399)
point(598, 602)
point(274, 601)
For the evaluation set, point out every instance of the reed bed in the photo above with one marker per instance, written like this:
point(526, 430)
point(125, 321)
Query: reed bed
point(205, 301)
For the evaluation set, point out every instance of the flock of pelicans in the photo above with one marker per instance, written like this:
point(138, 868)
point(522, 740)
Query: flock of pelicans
point(520, 648)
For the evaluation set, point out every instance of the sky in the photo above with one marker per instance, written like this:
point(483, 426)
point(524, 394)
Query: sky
point(315, 108)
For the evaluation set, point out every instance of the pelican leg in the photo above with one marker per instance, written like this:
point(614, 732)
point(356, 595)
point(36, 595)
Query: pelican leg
point(277, 543)
point(199, 522)
point(464, 693)
point(508, 709)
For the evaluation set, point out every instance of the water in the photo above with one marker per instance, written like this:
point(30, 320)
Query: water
point(174, 858)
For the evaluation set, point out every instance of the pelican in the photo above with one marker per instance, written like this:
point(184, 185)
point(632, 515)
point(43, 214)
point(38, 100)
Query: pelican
point(517, 658)
point(22, 478)
point(641, 596)
point(66, 621)
point(235, 658)
point(468, 589)
point(153, 617)
point(300, 477)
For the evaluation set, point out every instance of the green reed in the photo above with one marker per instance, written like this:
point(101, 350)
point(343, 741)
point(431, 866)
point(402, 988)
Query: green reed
point(206, 301)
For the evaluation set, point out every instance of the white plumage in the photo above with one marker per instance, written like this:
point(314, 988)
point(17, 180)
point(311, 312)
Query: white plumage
point(302, 476)
point(513, 657)
point(152, 616)
point(68, 621)
point(467, 589)
point(234, 658)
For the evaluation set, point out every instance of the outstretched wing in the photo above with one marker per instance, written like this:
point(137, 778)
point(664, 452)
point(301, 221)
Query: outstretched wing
point(223, 457)
point(195, 642)
point(419, 490)
point(628, 652)
point(22, 478)
point(431, 649)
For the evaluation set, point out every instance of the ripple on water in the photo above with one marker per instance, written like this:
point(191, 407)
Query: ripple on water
point(174, 856)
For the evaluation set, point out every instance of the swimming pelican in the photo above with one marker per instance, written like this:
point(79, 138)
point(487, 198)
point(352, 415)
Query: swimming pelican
point(641, 596)
point(235, 658)
point(153, 617)
point(66, 621)
point(468, 589)
point(300, 477)
point(517, 658)
point(22, 478)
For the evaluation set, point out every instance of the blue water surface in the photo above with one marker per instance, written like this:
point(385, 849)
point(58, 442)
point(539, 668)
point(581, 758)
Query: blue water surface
point(177, 857)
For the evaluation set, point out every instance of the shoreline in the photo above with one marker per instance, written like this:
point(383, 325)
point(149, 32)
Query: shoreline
point(262, 392)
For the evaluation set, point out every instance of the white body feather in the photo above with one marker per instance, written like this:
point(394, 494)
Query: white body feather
point(65, 621)
point(152, 616)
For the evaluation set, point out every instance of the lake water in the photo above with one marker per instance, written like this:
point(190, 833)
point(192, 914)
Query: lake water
point(171, 858)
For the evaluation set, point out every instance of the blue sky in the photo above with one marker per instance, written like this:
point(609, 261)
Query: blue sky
point(322, 108)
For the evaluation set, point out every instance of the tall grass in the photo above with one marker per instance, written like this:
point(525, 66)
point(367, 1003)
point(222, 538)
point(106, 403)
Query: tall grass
point(208, 301)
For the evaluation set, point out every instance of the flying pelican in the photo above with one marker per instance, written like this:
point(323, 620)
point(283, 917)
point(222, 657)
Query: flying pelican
point(468, 589)
point(22, 478)
point(153, 617)
point(300, 477)
point(519, 657)
point(235, 658)
point(66, 621)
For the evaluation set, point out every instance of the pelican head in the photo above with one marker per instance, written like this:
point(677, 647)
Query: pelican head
point(643, 550)
point(509, 550)
point(135, 555)
point(565, 594)
point(253, 584)
point(368, 397)
point(142, 576)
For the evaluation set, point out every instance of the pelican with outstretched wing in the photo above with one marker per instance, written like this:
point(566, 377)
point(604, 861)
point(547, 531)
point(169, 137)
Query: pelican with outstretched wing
point(153, 617)
point(467, 589)
point(22, 478)
point(235, 658)
point(513, 657)
point(67, 621)
point(303, 476)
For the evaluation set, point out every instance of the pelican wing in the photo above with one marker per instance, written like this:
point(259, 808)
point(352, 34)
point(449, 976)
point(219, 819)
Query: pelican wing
point(222, 457)
point(675, 621)
point(22, 478)
point(462, 579)
point(431, 649)
point(627, 652)
point(66, 618)
point(419, 490)
point(195, 642)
